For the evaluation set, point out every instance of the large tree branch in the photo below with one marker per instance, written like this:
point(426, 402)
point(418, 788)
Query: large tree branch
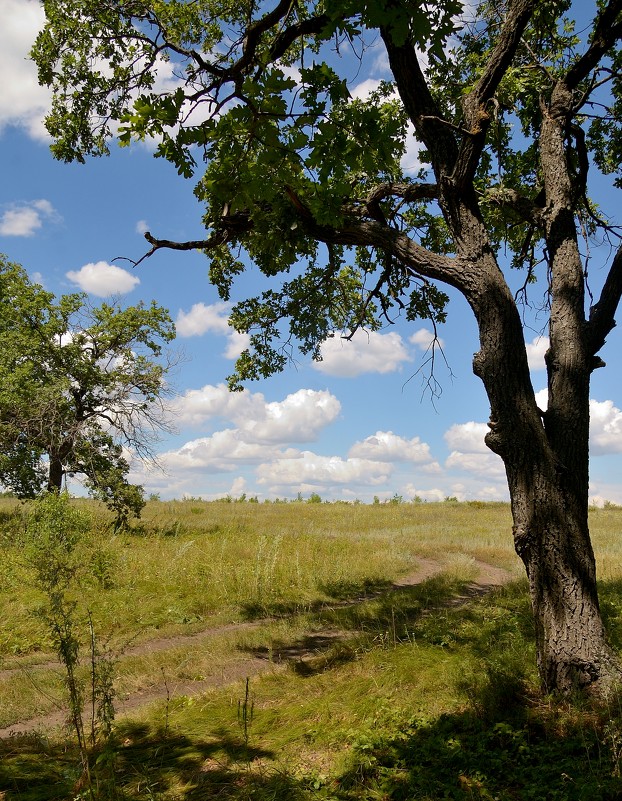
point(422, 109)
point(409, 193)
point(516, 20)
point(567, 278)
point(477, 118)
point(601, 320)
point(523, 207)
point(607, 31)
point(419, 260)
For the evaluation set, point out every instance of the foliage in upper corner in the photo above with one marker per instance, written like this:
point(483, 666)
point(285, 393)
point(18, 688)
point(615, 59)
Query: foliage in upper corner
point(260, 94)
point(278, 130)
point(79, 385)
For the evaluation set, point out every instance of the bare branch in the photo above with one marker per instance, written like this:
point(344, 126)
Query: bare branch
point(219, 237)
point(607, 31)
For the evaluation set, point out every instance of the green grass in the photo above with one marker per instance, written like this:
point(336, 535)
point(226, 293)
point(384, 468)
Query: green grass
point(409, 698)
point(236, 561)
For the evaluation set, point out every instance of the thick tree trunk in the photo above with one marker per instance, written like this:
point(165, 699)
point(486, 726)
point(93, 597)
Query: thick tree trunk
point(546, 460)
point(552, 538)
point(550, 506)
point(55, 474)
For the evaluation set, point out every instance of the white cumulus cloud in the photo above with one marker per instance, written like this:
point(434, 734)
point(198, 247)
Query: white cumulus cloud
point(387, 446)
point(426, 494)
point(103, 279)
point(605, 427)
point(237, 342)
point(260, 438)
point(364, 89)
point(23, 102)
point(197, 406)
point(535, 353)
point(25, 219)
point(300, 417)
point(605, 424)
point(477, 465)
point(467, 437)
point(214, 319)
point(411, 160)
point(469, 452)
point(424, 339)
point(307, 470)
point(366, 352)
point(223, 451)
point(203, 318)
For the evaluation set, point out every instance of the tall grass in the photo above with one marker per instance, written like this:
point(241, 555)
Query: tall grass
point(189, 564)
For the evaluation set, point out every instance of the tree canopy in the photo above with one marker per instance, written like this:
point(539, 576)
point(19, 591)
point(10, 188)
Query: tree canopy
point(516, 106)
point(293, 161)
point(78, 386)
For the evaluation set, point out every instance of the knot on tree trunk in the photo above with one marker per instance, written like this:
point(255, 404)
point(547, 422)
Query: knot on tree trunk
point(495, 438)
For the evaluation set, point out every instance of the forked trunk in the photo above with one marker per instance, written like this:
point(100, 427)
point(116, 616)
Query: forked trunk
point(546, 460)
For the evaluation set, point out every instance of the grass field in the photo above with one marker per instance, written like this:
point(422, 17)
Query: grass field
point(360, 685)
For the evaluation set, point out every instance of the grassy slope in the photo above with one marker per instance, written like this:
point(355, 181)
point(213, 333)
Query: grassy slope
point(435, 705)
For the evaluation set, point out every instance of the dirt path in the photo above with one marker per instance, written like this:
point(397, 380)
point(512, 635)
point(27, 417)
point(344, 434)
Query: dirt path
point(488, 578)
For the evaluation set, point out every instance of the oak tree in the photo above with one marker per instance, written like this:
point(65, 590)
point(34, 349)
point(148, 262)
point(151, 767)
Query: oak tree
point(517, 106)
point(79, 385)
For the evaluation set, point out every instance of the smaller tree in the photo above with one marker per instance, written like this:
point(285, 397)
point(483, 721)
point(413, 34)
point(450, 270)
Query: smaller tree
point(78, 386)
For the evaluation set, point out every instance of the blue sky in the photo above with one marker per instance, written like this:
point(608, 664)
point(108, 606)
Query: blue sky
point(357, 425)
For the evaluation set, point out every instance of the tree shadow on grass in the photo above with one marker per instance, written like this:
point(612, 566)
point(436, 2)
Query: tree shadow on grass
point(506, 743)
point(223, 767)
point(33, 770)
point(308, 655)
point(339, 592)
point(369, 604)
point(503, 744)
point(461, 756)
point(145, 763)
point(340, 631)
point(397, 609)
